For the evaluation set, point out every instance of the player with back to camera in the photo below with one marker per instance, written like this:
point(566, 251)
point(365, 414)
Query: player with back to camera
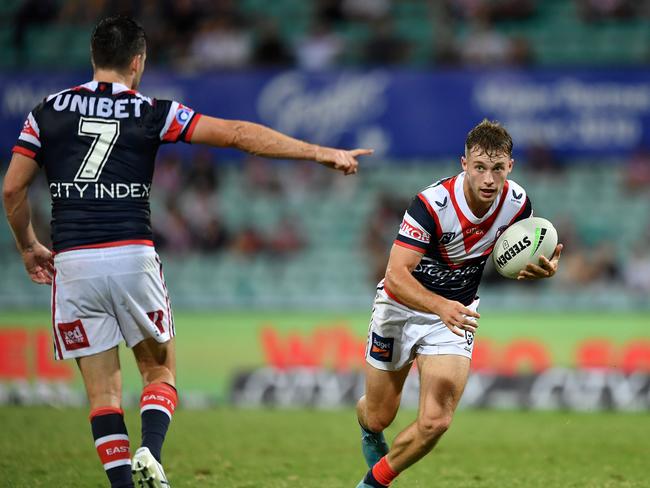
point(97, 143)
point(426, 306)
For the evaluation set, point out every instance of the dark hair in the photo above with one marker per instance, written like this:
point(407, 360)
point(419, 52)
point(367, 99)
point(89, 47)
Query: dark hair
point(115, 42)
point(491, 137)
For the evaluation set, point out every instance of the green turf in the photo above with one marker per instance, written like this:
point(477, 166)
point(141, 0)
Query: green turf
point(212, 344)
point(299, 448)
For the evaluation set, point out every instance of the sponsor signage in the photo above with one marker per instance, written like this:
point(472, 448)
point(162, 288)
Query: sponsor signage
point(400, 113)
point(551, 389)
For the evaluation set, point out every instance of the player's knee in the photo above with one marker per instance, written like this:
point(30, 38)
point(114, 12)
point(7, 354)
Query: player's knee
point(377, 423)
point(431, 427)
point(377, 416)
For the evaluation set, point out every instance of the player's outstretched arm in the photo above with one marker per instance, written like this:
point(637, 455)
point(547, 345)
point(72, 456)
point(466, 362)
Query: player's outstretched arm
point(37, 258)
point(401, 283)
point(263, 141)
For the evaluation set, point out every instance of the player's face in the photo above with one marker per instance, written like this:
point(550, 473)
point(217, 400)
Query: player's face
point(485, 176)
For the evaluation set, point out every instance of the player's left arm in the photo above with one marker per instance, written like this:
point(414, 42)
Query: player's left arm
point(263, 141)
point(37, 258)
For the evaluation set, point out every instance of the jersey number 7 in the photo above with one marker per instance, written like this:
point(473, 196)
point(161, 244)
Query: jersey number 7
point(105, 133)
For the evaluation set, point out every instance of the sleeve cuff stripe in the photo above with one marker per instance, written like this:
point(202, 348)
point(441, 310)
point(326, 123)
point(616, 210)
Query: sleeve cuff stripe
point(409, 246)
point(191, 127)
point(24, 151)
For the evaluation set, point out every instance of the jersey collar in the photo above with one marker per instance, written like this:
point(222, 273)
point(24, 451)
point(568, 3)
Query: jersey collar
point(462, 202)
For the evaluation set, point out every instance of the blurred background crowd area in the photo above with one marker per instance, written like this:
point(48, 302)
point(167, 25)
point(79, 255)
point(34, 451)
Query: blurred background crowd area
point(260, 232)
point(195, 35)
point(256, 232)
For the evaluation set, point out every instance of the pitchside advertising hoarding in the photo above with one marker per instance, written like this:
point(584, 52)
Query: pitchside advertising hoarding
point(402, 114)
point(293, 359)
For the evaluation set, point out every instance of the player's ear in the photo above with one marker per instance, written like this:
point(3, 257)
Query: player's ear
point(511, 164)
point(463, 163)
point(136, 63)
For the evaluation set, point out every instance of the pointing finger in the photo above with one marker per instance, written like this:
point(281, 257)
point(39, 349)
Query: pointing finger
point(361, 152)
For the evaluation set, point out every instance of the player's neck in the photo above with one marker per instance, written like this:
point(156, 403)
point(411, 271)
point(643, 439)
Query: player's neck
point(478, 208)
point(110, 76)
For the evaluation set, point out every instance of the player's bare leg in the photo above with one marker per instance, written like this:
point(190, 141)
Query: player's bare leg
point(103, 381)
point(157, 365)
point(377, 409)
point(442, 381)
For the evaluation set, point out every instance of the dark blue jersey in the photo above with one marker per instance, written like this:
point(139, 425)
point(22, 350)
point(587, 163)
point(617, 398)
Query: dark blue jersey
point(98, 144)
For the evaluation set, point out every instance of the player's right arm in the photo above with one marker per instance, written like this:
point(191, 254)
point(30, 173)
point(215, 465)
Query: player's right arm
point(263, 141)
point(409, 291)
point(37, 258)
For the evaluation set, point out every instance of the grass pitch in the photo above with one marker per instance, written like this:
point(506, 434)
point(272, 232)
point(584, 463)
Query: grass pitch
point(299, 448)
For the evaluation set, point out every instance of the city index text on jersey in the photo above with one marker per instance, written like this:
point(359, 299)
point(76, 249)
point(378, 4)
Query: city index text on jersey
point(99, 191)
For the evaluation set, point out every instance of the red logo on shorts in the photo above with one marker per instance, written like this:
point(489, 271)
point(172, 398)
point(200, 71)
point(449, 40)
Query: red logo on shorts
point(73, 335)
point(157, 318)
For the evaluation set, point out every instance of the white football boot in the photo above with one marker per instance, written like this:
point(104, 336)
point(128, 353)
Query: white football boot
point(147, 471)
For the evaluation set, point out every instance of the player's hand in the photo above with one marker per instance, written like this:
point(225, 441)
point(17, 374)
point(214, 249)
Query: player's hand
point(545, 269)
point(458, 318)
point(341, 160)
point(39, 263)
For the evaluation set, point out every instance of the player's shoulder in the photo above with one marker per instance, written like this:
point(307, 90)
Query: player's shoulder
point(437, 195)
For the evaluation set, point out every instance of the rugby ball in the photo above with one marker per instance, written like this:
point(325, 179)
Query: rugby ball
point(523, 243)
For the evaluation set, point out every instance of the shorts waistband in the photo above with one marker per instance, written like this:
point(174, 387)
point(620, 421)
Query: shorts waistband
point(105, 252)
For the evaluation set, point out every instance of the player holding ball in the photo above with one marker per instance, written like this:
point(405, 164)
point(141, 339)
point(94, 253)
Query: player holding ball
point(426, 307)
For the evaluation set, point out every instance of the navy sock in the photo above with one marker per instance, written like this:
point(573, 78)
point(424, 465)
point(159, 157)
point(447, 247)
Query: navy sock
point(157, 406)
point(112, 444)
point(154, 429)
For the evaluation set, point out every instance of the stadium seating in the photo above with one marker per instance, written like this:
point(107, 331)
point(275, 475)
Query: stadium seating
point(556, 33)
point(335, 268)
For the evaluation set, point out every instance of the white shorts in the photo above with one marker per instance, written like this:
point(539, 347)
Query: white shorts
point(397, 334)
point(103, 296)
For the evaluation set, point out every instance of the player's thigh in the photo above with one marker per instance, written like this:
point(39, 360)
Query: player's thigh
point(140, 297)
point(384, 388)
point(102, 378)
point(156, 360)
point(442, 382)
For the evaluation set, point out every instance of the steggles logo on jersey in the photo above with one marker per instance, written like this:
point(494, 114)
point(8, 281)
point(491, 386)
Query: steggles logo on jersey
point(73, 335)
point(418, 234)
point(381, 348)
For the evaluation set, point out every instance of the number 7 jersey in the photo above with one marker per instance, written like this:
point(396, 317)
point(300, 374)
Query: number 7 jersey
point(97, 143)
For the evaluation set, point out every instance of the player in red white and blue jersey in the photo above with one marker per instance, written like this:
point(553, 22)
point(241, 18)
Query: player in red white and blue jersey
point(426, 306)
point(97, 144)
